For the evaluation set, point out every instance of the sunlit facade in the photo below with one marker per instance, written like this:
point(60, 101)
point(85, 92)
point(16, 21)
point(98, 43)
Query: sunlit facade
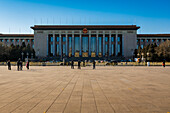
point(85, 41)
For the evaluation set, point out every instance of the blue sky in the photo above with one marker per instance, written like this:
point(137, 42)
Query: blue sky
point(16, 16)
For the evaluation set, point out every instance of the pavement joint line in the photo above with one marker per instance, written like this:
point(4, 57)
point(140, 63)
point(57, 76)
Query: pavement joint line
point(32, 97)
point(71, 94)
point(48, 94)
point(93, 95)
point(59, 95)
point(105, 96)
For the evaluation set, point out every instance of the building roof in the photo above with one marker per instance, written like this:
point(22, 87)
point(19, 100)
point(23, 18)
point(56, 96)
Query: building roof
point(88, 27)
point(16, 35)
point(153, 35)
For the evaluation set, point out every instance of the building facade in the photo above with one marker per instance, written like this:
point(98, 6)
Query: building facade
point(87, 41)
point(146, 39)
point(84, 41)
point(17, 39)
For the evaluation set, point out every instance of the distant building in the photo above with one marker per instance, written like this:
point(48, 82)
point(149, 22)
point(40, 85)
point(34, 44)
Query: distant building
point(17, 39)
point(146, 39)
point(84, 41)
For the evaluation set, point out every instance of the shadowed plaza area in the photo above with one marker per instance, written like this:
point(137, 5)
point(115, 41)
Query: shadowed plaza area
point(107, 89)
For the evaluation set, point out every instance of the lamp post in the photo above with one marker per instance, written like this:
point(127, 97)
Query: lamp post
point(31, 55)
point(147, 56)
point(142, 56)
point(22, 55)
point(148, 59)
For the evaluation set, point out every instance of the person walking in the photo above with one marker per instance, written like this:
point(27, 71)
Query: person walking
point(72, 64)
point(79, 65)
point(94, 64)
point(18, 64)
point(9, 65)
point(27, 65)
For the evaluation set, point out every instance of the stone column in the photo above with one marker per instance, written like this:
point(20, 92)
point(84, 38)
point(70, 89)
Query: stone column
point(104, 44)
point(15, 42)
point(90, 45)
point(122, 45)
point(73, 44)
point(54, 44)
point(60, 51)
point(110, 44)
point(97, 44)
point(47, 45)
point(116, 49)
point(80, 44)
point(66, 44)
point(20, 42)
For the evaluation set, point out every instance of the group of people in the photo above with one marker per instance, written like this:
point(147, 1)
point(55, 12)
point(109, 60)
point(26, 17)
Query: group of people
point(79, 64)
point(19, 65)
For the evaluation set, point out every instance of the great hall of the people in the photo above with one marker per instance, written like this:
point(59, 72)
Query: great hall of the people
point(84, 41)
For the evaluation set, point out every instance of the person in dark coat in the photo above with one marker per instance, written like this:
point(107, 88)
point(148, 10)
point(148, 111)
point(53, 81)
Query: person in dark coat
point(18, 64)
point(163, 63)
point(21, 65)
point(9, 65)
point(94, 64)
point(79, 65)
point(27, 65)
point(72, 64)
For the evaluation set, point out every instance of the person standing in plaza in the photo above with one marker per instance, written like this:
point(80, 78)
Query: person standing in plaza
point(18, 64)
point(79, 65)
point(94, 64)
point(72, 64)
point(27, 65)
point(21, 65)
point(163, 63)
point(9, 65)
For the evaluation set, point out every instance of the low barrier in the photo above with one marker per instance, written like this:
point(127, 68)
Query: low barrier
point(88, 64)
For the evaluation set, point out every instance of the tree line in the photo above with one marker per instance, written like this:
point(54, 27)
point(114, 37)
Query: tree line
point(13, 53)
point(154, 53)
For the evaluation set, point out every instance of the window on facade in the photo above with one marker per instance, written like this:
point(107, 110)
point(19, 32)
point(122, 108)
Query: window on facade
point(147, 40)
point(142, 46)
point(93, 44)
point(51, 39)
point(57, 46)
point(23, 40)
point(64, 45)
point(100, 44)
point(28, 41)
point(112, 45)
point(84, 44)
point(70, 46)
point(77, 44)
point(142, 40)
point(106, 45)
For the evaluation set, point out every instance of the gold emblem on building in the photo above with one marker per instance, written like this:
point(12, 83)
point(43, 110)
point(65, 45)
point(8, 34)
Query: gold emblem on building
point(85, 30)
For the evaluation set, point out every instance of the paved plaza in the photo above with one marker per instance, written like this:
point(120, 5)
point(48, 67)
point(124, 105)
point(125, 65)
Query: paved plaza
point(108, 89)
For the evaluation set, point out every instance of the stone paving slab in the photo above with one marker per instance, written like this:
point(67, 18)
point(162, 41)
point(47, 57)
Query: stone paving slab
point(107, 89)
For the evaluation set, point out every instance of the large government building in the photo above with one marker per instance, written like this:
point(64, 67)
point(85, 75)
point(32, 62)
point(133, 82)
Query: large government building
point(84, 41)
